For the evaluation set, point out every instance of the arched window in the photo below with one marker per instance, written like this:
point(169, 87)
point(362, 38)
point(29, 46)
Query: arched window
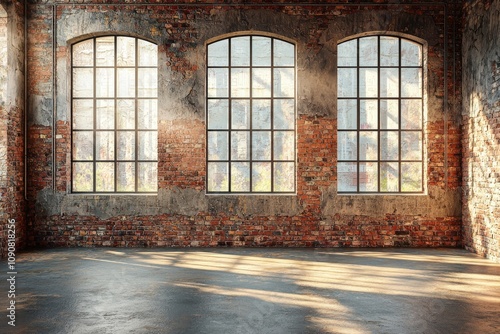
point(380, 115)
point(114, 115)
point(251, 115)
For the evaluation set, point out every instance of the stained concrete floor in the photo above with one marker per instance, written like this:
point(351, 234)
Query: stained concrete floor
point(253, 291)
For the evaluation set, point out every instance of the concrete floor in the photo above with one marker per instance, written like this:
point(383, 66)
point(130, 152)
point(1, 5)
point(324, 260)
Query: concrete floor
point(253, 291)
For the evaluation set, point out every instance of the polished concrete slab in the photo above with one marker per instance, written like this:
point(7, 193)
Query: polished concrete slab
point(110, 290)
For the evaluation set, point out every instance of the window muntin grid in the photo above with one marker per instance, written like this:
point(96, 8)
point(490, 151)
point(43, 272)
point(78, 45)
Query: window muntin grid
point(251, 115)
point(380, 115)
point(114, 115)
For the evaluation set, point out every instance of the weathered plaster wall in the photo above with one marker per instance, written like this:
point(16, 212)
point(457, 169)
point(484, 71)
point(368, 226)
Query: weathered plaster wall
point(481, 114)
point(181, 214)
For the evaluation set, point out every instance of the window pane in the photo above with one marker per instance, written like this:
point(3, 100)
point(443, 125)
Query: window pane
point(284, 53)
point(126, 145)
point(83, 53)
point(261, 145)
point(83, 176)
point(83, 82)
point(368, 51)
point(125, 179)
point(218, 114)
point(105, 82)
point(240, 114)
point(105, 51)
point(261, 51)
point(240, 51)
point(347, 176)
point(389, 144)
point(368, 176)
point(368, 82)
point(147, 85)
point(411, 145)
point(411, 82)
point(125, 82)
point(347, 53)
point(284, 176)
point(83, 114)
point(147, 178)
point(105, 176)
point(411, 114)
point(389, 82)
point(284, 142)
point(411, 176)
point(240, 176)
point(261, 176)
point(261, 114)
point(389, 176)
point(389, 114)
point(411, 53)
point(347, 149)
point(147, 114)
point(218, 145)
point(284, 114)
point(126, 114)
point(105, 145)
point(218, 82)
point(347, 82)
point(240, 145)
point(148, 54)
point(284, 82)
point(261, 82)
point(368, 145)
point(148, 145)
point(83, 145)
point(368, 113)
point(125, 51)
point(105, 114)
point(218, 53)
point(217, 176)
point(347, 114)
point(240, 82)
point(389, 51)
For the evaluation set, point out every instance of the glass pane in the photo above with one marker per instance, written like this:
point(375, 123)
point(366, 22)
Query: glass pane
point(411, 176)
point(411, 82)
point(240, 51)
point(368, 51)
point(126, 114)
point(389, 145)
point(284, 142)
point(261, 82)
point(347, 53)
point(125, 82)
point(83, 145)
point(125, 179)
point(284, 53)
point(217, 176)
point(147, 177)
point(389, 176)
point(125, 51)
point(240, 114)
point(284, 114)
point(147, 82)
point(240, 82)
point(368, 82)
point(411, 145)
point(368, 114)
point(368, 176)
point(347, 147)
point(261, 114)
point(105, 114)
point(83, 176)
point(284, 176)
point(105, 145)
point(347, 114)
point(261, 145)
point(83, 114)
point(148, 54)
point(368, 145)
point(389, 82)
point(284, 82)
point(411, 114)
point(105, 82)
point(105, 176)
point(83, 82)
point(347, 82)
point(218, 117)
point(240, 176)
point(411, 53)
point(261, 51)
point(83, 53)
point(147, 114)
point(261, 176)
point(218, 82)
point(389, 118)
point(347, 176)
point(240, 145)
point(125, 145)
point(148, 145)
point(217, 53)
point(218, 145)
point(105, 51)
point(389, 51)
